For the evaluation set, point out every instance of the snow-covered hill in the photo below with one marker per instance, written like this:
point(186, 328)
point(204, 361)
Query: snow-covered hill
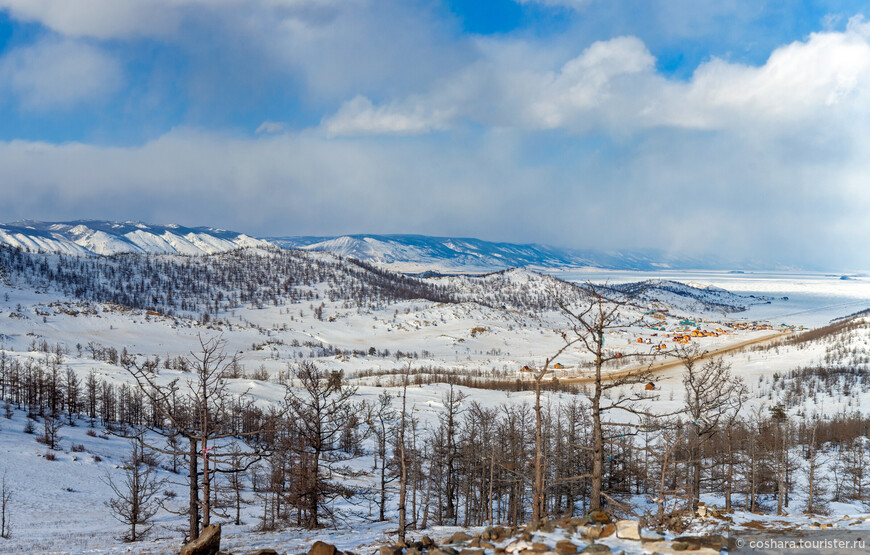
point(401, 253)
point(89, 237)
point(420, 253)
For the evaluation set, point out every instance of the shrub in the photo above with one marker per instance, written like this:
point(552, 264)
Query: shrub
point(50, 456)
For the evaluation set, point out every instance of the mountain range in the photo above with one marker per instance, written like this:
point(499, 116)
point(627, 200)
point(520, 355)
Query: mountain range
point(403, 253)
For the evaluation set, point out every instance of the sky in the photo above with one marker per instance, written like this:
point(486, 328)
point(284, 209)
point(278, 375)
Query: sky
point(732, 127)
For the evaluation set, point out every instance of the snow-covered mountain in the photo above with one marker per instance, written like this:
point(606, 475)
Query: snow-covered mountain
point(402, 253)
point(89, 237)
point(420, 253)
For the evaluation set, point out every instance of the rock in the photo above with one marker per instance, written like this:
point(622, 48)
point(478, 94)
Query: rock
point(679, 546)
point(413, 551)
point(471, 552)
point(487, 545)
point(596, 548)
point(389, 550)
point(208, 542)
point(540, 547)
point(599, 517)
point(266, 551)
point(546, 526)
point(565, 547)
point(517, 546)
point(714, 541)
point(628, 530)
point(650, 536)
point(449, 550)
point(322, 548)
point(593, 532)
point(459, 537)
point(607, 530)
point(475, 542)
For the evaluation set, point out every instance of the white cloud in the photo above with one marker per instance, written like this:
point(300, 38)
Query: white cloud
point(58, 74)
point(359, 117)
point(101, 19)
point(270, 127)
point(798, 202)
point(613, 86)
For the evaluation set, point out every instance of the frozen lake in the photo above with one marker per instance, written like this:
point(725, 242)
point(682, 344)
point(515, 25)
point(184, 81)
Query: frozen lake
point(814, 299)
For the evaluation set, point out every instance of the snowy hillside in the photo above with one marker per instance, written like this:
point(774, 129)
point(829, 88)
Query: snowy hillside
point(420, 253)
point(401, 253)
point(88, 237)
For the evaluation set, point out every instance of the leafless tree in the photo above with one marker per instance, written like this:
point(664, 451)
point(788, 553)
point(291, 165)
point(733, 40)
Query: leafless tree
point(203, 411)
point(713, 395)
point(321, 407)
point(599, 310)
point(5, 500)
point(135, 499)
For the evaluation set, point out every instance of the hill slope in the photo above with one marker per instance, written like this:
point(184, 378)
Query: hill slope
point(89, 237)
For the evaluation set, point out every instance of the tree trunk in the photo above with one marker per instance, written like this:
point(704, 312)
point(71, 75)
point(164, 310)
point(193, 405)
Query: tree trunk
point(193, 531)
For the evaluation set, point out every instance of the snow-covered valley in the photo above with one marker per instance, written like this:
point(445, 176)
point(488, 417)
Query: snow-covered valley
point(274, 310)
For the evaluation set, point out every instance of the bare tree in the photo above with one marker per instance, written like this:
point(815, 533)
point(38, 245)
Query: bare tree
point(203, 411)
point(403, 461)
point(713, 395)
point(815, 483)
point(5, 499)
point(381, 418)
point(135, 499)
point(320, 409)
point(599, 310)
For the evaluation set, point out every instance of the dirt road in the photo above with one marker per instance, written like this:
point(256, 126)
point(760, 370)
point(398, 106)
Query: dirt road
point(657, 368)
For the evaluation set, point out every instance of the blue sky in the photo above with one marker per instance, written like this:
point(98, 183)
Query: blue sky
point(733, 127)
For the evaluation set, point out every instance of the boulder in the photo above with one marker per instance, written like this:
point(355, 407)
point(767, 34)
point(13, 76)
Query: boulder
point(546, 526)
point(459, 537)
point(426, 541)
point(628, 530)
point(596, 548)
point(471, 552)
point(390, 550)
point(592, 532)
point(266, 551)
point(322, 548)
point(713, 541)
point(208, 542)
point(650, 536)
point(607, 530)
point(413, 551)
point(517, 546)
point(599, 517)
point(539, 547)
point(565, 547)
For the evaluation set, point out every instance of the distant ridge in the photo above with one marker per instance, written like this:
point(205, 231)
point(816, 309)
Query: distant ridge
point(414, 254)
point(421, 253)
point(94, 237)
